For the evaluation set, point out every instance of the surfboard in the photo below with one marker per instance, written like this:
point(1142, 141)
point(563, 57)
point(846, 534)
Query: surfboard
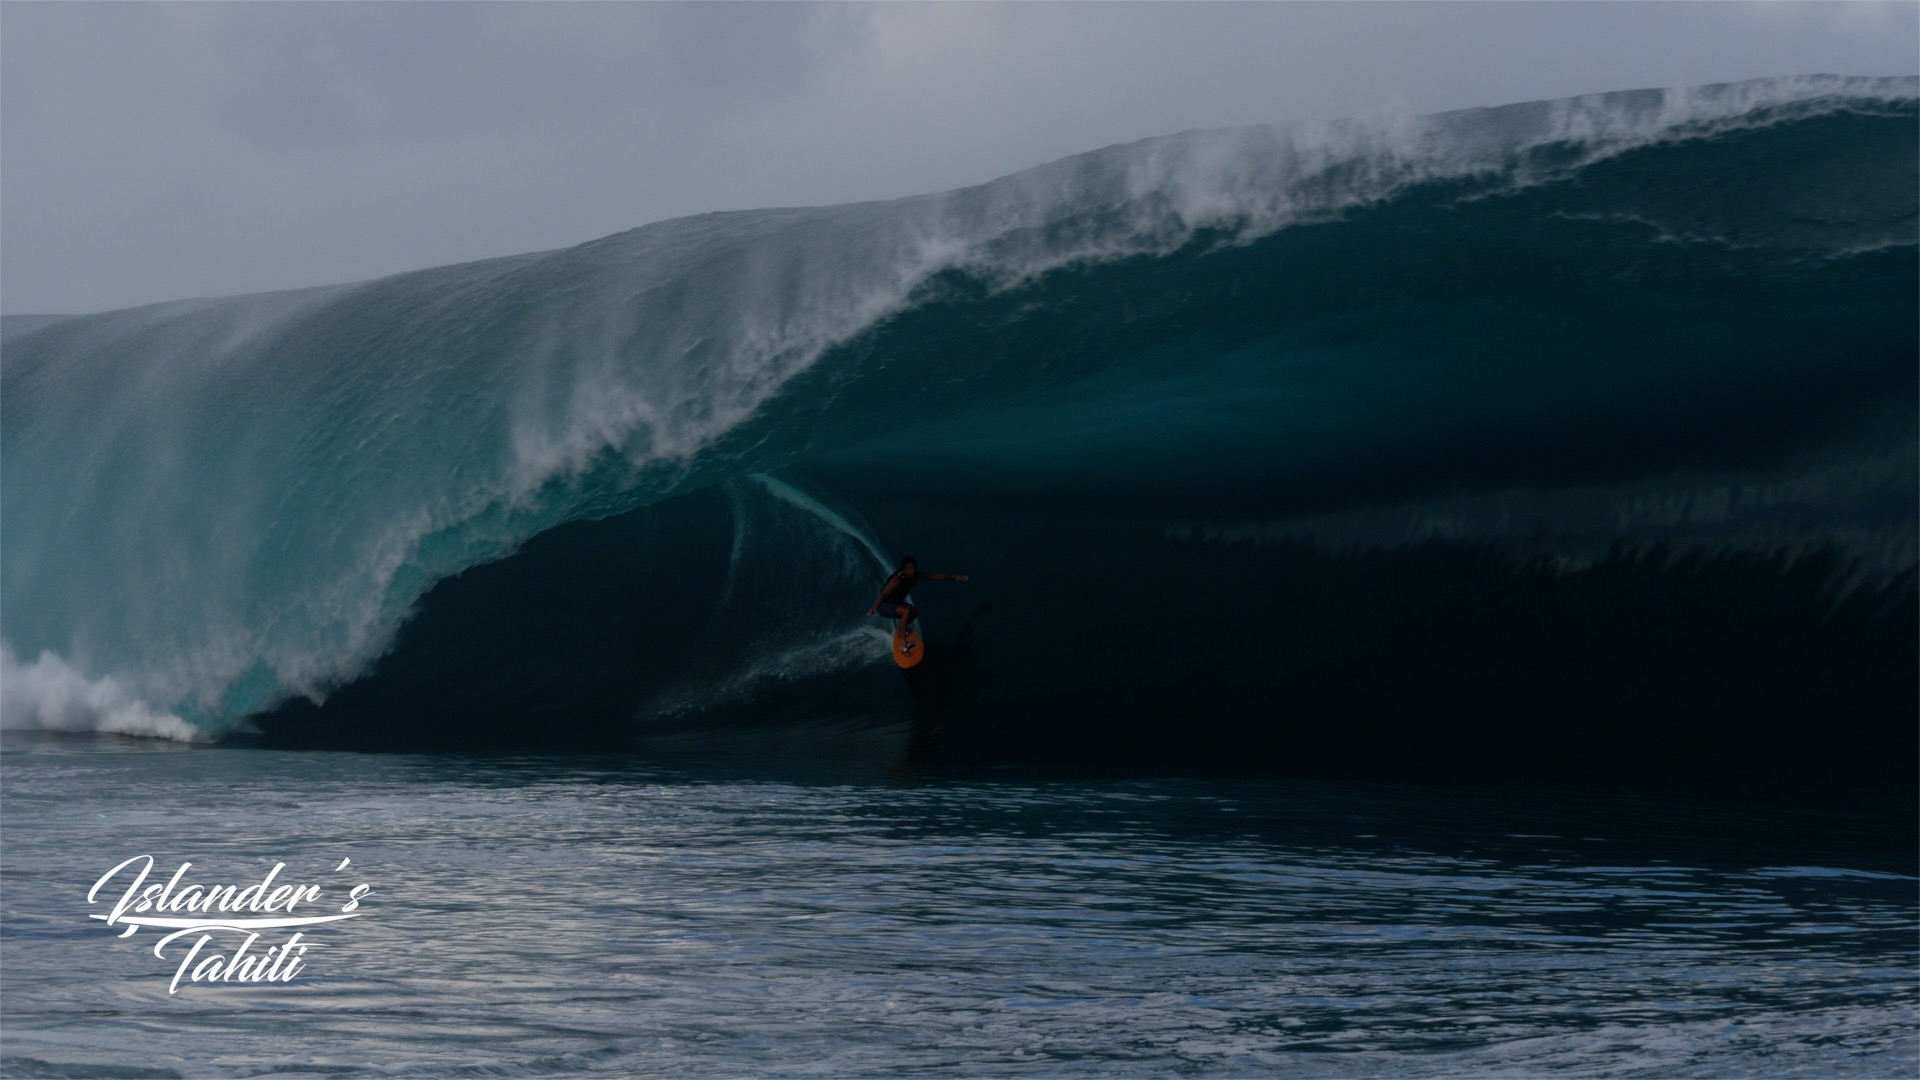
point(904, 656)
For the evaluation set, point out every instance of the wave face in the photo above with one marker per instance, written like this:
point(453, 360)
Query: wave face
point(1542, 415)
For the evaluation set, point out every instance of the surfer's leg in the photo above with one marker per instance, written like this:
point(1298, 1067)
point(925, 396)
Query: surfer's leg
point(906, 620)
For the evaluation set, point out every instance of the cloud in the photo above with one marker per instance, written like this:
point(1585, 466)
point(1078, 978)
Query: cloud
point(156, 151)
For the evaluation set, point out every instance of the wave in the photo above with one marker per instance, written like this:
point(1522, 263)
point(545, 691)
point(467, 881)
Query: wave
point(1558, 335)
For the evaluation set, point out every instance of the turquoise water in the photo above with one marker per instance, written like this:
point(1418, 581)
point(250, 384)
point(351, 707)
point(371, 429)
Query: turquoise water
point(558, 915)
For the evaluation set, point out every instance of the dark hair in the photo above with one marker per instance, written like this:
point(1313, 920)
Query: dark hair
point(905, 559)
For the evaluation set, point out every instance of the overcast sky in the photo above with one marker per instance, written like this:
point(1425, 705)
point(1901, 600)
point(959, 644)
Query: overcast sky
point(158, 151)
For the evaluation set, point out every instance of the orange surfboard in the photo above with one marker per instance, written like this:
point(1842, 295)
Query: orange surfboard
point(907, 647)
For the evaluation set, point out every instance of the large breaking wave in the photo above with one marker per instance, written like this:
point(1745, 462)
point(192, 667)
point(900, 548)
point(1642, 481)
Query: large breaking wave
point(1598, 411)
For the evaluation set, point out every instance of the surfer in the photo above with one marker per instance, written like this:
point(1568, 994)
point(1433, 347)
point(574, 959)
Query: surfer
point(893, 595)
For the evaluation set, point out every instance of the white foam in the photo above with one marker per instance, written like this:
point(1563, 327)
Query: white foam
point(47, 695)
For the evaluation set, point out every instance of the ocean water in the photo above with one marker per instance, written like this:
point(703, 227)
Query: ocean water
point(556, 915)
point(1444, 599)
